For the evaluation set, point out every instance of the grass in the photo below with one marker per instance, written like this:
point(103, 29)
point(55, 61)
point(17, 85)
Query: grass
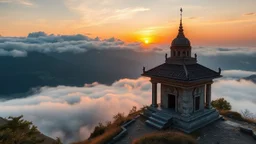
point(236, 116)
point(165, 138)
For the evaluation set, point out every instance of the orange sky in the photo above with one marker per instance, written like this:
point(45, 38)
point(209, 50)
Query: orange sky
point(206, 23)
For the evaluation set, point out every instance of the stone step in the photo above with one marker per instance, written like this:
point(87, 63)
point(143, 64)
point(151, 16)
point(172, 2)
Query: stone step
point(158, 121)
point(164, 114)
point(151, 109)
point(154, 124)
point(161, 117)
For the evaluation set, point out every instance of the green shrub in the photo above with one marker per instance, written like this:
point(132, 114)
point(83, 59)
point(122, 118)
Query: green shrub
point(221, 104)
point(19, 131)
point(166, 138)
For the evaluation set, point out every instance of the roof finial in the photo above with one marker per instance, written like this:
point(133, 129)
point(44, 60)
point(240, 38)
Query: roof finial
point(181, 10)
point(181, 34)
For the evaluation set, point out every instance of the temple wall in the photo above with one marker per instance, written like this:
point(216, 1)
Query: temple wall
point(202, 97)
point(188, 103)
point(180, 92)
point(164, 99)
point(185, 103)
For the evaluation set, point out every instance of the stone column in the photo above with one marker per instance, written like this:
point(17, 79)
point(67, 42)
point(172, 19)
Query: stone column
point(154, 94)
point(208, 96)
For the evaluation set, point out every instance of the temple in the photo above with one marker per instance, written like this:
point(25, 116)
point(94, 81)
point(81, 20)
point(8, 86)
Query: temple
point(185, 89)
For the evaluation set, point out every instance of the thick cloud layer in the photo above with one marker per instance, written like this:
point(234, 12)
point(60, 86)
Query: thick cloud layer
point(241, 94)
point(211, 51)
point(72, 112)
point(41, 42)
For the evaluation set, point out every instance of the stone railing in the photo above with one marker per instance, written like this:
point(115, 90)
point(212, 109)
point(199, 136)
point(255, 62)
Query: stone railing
point(124, 130)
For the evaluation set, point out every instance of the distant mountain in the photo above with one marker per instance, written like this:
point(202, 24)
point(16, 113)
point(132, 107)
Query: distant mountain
point(251, 78)
point(18, 75)
point(229, 62)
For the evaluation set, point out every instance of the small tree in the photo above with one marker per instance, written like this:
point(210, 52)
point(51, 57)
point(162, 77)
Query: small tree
point(119, 118)
point(98, 130)
point(58, 141)
point(19, 131)
point(133, 110)
point(221, 104)
point(247, 114)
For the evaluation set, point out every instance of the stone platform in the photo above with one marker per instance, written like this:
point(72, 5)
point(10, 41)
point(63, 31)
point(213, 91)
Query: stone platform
point(217, 132)
point(162, 118)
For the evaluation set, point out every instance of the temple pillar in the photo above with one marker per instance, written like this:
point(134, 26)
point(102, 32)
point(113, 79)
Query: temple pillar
point(208, 96)
point(154, 94)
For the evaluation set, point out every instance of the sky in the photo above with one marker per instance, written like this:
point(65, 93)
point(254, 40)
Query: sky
point(229, 23)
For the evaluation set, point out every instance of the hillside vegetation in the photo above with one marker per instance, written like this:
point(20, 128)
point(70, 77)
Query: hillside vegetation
point(104, 133)
point(15, 130)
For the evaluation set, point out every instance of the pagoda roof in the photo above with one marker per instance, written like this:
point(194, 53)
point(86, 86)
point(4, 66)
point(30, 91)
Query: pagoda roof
point(191, 72)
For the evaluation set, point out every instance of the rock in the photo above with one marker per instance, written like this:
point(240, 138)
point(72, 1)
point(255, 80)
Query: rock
point(254, 135)
point(223, 119)
point(245, 129)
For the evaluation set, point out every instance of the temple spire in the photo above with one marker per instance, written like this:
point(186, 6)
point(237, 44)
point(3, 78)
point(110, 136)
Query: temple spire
point(181, 34)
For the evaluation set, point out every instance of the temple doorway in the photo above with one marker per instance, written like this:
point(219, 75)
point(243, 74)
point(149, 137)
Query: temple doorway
point(197, 103)
point(171, 101)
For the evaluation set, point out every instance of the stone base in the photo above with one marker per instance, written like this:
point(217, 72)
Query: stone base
point(192, 123)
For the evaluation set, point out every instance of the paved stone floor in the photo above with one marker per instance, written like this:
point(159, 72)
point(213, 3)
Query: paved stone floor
point(218, 132)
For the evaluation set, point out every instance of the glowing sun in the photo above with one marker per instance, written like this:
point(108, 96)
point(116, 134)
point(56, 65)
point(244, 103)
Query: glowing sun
point(146, 41)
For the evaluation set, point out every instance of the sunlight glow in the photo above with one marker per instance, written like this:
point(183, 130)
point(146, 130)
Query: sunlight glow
point(146, 41)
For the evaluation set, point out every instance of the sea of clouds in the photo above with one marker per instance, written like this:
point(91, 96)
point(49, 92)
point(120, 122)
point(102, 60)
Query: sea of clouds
point(72, 112)
point(44, 43)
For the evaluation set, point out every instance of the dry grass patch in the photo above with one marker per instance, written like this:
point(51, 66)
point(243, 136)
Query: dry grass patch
point(236, 116)
point(104, 138)
point(166, 138)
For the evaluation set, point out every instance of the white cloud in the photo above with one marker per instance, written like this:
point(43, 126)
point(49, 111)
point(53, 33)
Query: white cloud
point(25, 2)
point(22, 2)
point(211, 51)
point(102, 12)
point(13, 53)
point(237, 73)
point(241, 94)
